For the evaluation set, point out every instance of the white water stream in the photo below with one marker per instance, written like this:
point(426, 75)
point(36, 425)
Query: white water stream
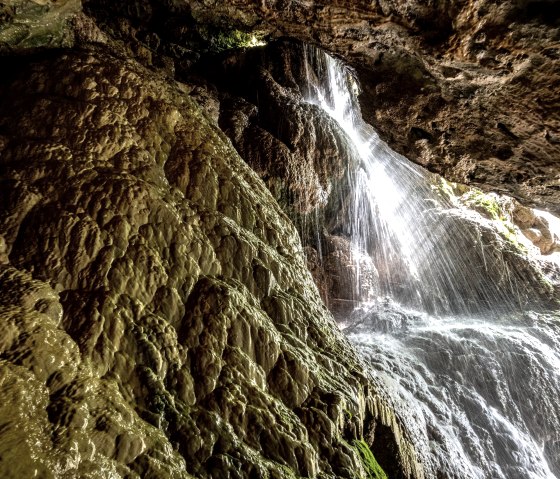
point(474, 374)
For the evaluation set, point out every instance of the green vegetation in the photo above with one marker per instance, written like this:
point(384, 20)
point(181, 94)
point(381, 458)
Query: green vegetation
point(445, 189)
point(220, 40)
point(371, 466)
point(486, 204)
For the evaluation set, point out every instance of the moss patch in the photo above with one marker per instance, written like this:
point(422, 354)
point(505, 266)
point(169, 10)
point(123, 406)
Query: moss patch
point(445, 189)
point(371, 466)
point(220, 39)
point(485, 204)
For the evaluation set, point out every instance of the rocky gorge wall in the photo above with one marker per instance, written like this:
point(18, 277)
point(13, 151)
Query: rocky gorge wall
point(158, 319)
point(426, 67)
point(157, 315)
point(263, 99)
point(469, 89)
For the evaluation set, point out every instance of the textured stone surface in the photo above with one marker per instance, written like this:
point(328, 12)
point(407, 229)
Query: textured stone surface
point(536, 228)
point(157, 318)
point(468, 89)
point(345, 278)
point(32, 24)
point(300, 152)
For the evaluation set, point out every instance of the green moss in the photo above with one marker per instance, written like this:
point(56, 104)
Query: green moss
point(220, 39)
point(444, 189)
point(489, 207)
point(511, 235)
point(371, 466)
point(485, 204)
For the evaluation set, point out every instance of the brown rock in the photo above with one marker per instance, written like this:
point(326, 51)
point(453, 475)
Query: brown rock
point(467, 89)
point(157, 317)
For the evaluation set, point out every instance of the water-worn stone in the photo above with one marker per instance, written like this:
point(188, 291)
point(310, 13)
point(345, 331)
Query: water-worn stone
point(294, 146)
point(425, 68)
point(536, 228)
point(33, 24)
point(345, 277)
point(263, 94)
point(469, 89)
point(156, 315)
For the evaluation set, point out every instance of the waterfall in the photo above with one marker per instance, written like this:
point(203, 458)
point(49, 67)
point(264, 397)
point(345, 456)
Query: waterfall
point(460, 337)
point(429, 254)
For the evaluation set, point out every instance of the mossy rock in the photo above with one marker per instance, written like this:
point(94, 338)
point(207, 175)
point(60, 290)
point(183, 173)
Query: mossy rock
point(220, 40)
point(371, 466)
point(485, 204)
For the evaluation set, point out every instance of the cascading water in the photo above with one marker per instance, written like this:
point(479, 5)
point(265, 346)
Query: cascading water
point(473, 374)
point(428, 254)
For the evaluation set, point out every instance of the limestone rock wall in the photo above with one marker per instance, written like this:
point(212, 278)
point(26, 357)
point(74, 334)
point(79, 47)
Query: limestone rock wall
point(300, 152)
point(469, 89)
point(157, 318)
point(33, 24)
point(156, 315)
point(307, 161)
point(259, 98)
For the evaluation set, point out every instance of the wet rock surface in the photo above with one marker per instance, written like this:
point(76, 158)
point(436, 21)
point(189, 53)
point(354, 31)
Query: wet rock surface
point(469, 89)
point(157, 317)
point(536, 228)
point(296, 148)
point(31, 25)
point(311, 166)
point(261, 101)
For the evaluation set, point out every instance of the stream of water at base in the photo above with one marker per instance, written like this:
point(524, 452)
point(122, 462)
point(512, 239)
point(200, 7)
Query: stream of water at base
point(472, 370)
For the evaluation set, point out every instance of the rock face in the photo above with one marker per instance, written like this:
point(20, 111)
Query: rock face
point(298, 150)
point(262, 100)
point(302, 154)
point(157, 318)
point(28, 25)
point(469, 89)
point(536, 228)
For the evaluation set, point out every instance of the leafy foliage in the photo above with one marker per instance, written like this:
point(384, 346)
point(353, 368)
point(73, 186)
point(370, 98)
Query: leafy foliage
point(222, 40)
